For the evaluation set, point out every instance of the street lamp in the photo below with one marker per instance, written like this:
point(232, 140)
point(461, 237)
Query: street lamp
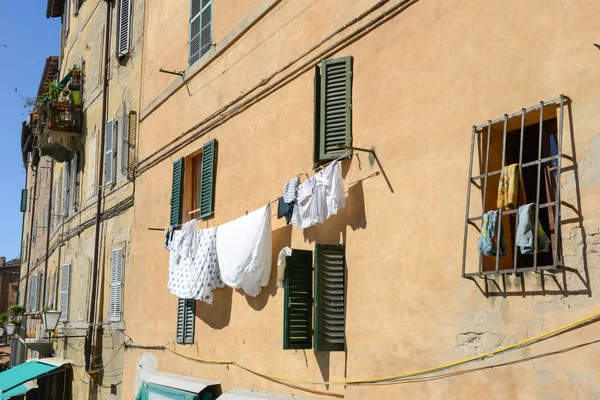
point(50, 319)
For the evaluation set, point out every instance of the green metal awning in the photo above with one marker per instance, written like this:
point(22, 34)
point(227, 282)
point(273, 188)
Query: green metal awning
point(151, 390)
point(61, 85)
point(13, 380)
point(17, 391)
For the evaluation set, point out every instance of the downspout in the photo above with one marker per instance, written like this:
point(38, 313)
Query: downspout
point(31, 218)
point(48, 222)
point(22, 234)
point(94, 333)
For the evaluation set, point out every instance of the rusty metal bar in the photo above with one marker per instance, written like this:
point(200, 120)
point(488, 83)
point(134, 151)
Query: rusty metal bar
point(515, 249)
point(499, 228)
point(510, 212)
point(469, 182)
point(510, 271)
point(516, 114)
point(527, 164)
point(537, 188)
point(557, 193)
point(485, 180)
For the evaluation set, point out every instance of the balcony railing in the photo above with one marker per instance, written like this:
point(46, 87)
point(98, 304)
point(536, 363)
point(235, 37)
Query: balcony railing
point(59, 130)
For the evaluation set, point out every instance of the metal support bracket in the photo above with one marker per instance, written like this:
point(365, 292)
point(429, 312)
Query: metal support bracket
point(370, 151)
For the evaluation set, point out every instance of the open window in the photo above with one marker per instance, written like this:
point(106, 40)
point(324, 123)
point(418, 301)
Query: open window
point(513, 188)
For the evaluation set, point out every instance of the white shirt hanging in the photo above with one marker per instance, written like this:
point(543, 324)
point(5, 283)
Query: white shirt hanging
point(320, 197)
point(244, 251)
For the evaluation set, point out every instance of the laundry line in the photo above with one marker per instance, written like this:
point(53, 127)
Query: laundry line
point(347, 154)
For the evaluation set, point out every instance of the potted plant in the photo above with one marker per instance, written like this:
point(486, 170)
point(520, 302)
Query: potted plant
point(75, 71)
point(15, 310)
point(75, 86)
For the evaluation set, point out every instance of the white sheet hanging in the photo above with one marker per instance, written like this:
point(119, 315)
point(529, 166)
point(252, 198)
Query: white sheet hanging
point(319, 198)
point(193, 266)
point(244, 251)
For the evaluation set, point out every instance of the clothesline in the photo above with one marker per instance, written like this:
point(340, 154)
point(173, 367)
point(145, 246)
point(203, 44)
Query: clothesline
point(319, 167)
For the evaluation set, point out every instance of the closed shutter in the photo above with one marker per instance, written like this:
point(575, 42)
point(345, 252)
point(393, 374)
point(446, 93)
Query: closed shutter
point(330, 301)
point(26, 255)
point(64, 291)
point(186, 316)
point(67, 17)
point(59, 189)
point(177, 192)
point(124, 27)
point(73, 184)
point(200, 29)
point(298, 298)
point(23, 200)
point(109, 152)
point(52, 282)
point(34, 233)
point(46, 288)
point(29, 296)
point(122, 150)
point(35, 294)
point(65, 202)
point(207, 189)
point(116, 282)
point(335, 107)
point(131, 144)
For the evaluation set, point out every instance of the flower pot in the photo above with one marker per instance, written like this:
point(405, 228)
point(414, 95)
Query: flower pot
point(61, 105)
point(76, 97)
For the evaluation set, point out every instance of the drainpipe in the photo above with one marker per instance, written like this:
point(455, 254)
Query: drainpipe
point(94, 332)
point(31, 218)
point(48, 222)
point(23, 232)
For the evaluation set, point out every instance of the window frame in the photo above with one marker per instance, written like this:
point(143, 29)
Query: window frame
point(477, 134)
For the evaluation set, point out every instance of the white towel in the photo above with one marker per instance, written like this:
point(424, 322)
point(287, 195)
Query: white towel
point(244, 251)
point(281, 261)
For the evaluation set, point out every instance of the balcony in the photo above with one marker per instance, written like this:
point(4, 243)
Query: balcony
point(59, 130)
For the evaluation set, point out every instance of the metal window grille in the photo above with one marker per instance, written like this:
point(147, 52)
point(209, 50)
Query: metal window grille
point(481, 182)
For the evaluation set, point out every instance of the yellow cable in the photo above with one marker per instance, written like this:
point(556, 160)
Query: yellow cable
point(400, 376)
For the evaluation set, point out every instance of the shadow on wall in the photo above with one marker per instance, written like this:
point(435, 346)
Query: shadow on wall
point(573, 277)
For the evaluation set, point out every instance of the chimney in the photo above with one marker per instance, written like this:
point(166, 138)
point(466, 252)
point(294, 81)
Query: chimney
point(2, 261)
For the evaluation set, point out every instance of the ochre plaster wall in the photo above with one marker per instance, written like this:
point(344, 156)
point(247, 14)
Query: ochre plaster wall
point(421, 80)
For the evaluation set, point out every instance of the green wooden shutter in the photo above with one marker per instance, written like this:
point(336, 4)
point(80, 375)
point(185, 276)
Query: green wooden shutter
point(23, 200)
point(335, 107)
point(297, 306)
point(330, 276)
point(317, 117)
point(186, 316)
point(207, 186)
point(177, 191)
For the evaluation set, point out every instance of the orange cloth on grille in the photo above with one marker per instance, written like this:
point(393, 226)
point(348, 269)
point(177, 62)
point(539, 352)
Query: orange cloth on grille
point(510, 188)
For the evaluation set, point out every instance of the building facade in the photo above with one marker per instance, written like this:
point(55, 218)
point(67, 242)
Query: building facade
point(79, 216)
point(260, 92)
point(9, 282)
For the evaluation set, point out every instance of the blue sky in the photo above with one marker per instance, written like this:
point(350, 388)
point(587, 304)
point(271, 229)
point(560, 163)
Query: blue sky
point(30, 38)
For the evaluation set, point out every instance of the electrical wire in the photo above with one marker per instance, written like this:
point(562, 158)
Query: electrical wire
point(400, 377)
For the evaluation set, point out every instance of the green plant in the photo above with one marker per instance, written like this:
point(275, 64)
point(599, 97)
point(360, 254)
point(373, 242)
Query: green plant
point(75, 68)
point(16, 309)
point(46, 308)
point(52, 89)
point(3, 319)
point(16, 321)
